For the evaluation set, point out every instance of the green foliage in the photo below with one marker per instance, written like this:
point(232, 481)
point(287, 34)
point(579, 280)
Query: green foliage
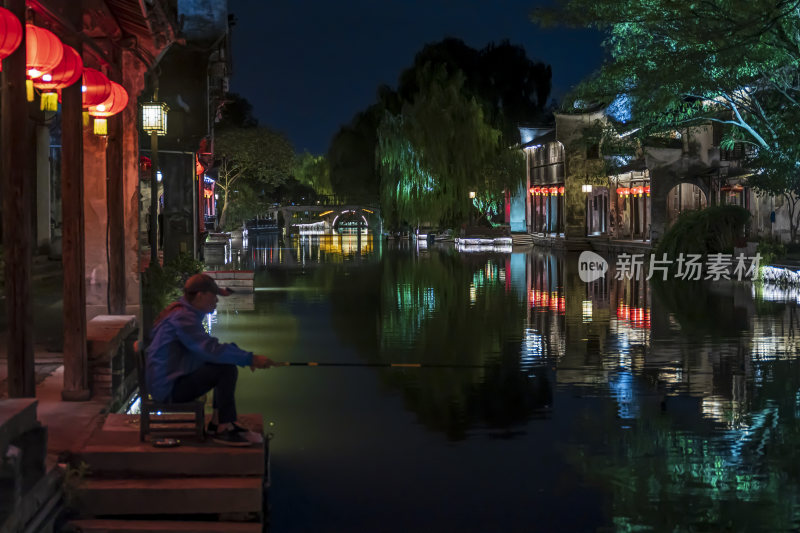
point(314, 172)
point(258, 156)
point(162, 285)
point(680, 64)
point(770, 250)
point(712, 230)
point(448, 129)
point(73, 482)
point(438, 150)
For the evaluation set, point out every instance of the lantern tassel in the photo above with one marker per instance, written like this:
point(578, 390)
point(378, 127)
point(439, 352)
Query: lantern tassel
point(29, 89)
point(100, 126)
point(49, 102)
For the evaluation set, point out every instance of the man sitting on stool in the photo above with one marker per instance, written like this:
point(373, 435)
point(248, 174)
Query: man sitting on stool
point(184, 361)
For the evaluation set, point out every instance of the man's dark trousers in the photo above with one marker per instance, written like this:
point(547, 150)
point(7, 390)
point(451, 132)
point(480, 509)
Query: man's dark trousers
point(221, 378)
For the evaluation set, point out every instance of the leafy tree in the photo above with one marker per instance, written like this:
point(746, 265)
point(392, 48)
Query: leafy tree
point(314, 172)
point(260, 157)
point(511, 88)
point(433, 153)
point(236, 112)
point(411, 127)
point(351, 157)
point(681, 64)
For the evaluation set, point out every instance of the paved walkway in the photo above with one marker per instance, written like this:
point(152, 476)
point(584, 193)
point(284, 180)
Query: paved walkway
point(68, 423)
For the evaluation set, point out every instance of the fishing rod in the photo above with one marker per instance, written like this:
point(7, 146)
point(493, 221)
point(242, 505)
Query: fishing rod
point(537, 366)
point(380, 365)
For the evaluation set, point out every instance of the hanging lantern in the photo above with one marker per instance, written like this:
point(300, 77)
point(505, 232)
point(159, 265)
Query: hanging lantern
point(532, 190)
point(553, 190)
point(647, 190)
point(561, 190)
point(113, 105)
point(154, 119)
point(65, 74)
point(623, 191)
point(10, 34)
point(95, 88)
point(43, 53)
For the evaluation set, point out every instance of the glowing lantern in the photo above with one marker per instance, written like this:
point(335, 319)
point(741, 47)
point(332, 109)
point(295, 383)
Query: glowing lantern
point(154, 120)
point(647, 190)
point(44, 52)
point(553, 190)
point(10, 33)
point(623, 191)
point(95, 88)
point(532, 190)
point(113, 105)
point(65, 74)
point(561, 190)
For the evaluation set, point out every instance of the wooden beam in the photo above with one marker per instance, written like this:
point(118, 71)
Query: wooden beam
point(17, 187)
point(115, 197)
point(76, 372)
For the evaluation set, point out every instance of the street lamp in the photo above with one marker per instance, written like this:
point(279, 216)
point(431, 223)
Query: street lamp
point(154, 117)
point(154, 122)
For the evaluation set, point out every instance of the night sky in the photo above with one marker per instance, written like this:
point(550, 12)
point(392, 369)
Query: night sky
point(308, 66)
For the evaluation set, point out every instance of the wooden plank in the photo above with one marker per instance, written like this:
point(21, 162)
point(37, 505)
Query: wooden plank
point(163, 526)
point(17, 186)
point(76, 374)
point(107, 497)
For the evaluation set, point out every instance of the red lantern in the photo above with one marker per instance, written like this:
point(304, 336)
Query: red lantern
point(44, 52)
point(553, 190)
point(65, 74)
point(532, 190)
point(647, 190)
point(623, 191)
point(10, 33)
point(561, 190)
point(113, 105)
point(95, 88)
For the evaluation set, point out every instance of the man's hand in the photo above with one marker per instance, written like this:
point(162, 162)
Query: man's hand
point(261, 361)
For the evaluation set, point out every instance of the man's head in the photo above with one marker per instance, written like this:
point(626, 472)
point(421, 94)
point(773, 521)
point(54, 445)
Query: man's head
point(201, 291)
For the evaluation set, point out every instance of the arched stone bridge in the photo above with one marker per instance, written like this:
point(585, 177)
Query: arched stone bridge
point(330, 217)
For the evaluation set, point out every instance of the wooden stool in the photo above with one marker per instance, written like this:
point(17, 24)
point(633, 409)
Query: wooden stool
point(166, 419)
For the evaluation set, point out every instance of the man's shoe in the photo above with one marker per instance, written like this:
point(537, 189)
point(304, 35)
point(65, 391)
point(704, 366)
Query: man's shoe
point(212, 428)
point(230, 438)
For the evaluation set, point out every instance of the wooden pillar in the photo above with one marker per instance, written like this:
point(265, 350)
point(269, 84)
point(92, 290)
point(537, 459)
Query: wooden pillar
point(17, 188)
point(76, 373)
point(115, 199)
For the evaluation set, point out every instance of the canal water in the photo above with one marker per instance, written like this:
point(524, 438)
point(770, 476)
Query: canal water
point(543, 403)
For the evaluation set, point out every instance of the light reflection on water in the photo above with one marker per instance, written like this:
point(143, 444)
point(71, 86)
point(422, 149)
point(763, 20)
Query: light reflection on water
point(613, 404)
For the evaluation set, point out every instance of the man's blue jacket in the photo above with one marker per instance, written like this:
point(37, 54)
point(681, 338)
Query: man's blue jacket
point(181, 345)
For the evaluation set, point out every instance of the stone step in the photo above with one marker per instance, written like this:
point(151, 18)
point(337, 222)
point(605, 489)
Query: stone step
point(161, 526)
point(115, 449)
point(188, 459)
point(169, 496)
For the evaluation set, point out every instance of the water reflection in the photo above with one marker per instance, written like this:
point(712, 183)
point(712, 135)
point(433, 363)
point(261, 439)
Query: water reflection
point(678, 401)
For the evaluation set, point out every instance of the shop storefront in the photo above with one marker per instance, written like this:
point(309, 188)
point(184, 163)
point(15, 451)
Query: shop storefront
point(547, 209)
point(631, 206)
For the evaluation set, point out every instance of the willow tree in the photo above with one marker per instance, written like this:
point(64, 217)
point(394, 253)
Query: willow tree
point(259, 156)
point(682, 64)
point(314, 171)
point(433, 154)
